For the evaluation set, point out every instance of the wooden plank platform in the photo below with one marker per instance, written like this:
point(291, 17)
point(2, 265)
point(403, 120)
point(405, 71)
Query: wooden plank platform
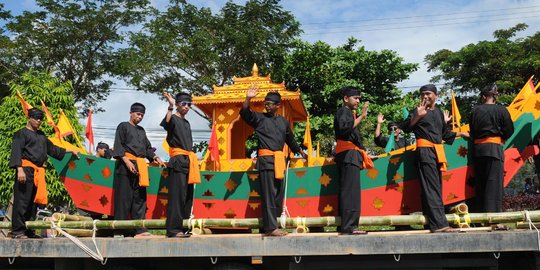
point(252, 245)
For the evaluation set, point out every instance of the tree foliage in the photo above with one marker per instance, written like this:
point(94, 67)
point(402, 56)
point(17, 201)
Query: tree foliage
point(34, 86)
point(189, 48)
point(507, 60)
point(319, 71)
point(75, 40)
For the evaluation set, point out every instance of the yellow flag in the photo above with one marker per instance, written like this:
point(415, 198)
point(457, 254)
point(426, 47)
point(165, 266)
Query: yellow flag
point(524, 94)
point(64, 126)
point(307, 139)
point(521, 98)
point(24, 104)
point(456, 116)
point(165, 146)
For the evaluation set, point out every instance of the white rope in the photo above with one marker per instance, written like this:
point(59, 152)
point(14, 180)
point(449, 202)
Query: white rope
point(95, 255)
point(285, 212)
point(213, 260)
point(11, 260)
point(496, 255)
point(397, 258)
point(531, 225)
point(297, 259)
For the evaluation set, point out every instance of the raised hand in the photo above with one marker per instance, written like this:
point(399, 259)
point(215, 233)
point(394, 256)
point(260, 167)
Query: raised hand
point(380, 118)
point(447, 116)
point(252, 92)
point(169, 98)
point(364, 110)
point(421, 110)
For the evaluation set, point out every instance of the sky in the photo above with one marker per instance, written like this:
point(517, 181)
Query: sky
point(412, 28)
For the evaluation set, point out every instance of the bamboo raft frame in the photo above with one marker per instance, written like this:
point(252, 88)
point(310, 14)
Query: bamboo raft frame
point(77, 222)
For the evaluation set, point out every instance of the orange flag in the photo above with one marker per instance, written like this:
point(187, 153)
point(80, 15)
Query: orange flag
point(213, 147)
point(24, 104)
point(90, 132)
point(50, 120)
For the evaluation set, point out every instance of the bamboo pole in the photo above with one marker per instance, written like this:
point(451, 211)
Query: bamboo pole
point(460, 209)
point(525, 225)
point(66, 217)
point(504, 217)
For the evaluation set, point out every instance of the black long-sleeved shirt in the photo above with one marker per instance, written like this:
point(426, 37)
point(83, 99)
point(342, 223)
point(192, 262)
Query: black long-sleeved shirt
point(178, 136)
point(33, 146)
point(273, 132)
point(344, 130)
point(131, 139)
point(490, 120)
point(432, 128)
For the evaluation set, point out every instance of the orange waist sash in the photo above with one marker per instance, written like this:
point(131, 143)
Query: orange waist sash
point(439, 151)
point(496, 140)
point(194, 171)
point(142, 167)
point(279, 161)
point(39, 182)
point(342, 145)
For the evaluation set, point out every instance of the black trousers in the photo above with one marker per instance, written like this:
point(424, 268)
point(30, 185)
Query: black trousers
point(24, 208)
point(272, 192)
point(129, 200)
point(349, 196)
point(432, 203)
point(489, 180)
point(179, 203)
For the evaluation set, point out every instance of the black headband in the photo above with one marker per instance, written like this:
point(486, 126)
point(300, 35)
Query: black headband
point(273, 96)
point(36, 113)
point(393, 124)
point(429, 87)
point(183, 97)
point(137, 107)
point(350, 91)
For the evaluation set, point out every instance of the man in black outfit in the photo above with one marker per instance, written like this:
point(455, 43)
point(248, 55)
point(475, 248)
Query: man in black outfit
point(490, 126)
point(273, 131)
point(29, 151)
point(181, 152)
point(430, 129)
point(350, 158)
point(382, 141)
point(131, 147)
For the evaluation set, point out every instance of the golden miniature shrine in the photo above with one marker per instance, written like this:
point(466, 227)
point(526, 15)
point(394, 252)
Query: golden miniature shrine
point(223, 107)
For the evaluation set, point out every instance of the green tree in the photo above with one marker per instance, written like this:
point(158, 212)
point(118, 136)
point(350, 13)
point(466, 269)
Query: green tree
point(189, 48)
point(34, 86)
point(509, 61)
point(4, 42)
point(319, 71)
point(75, 40)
